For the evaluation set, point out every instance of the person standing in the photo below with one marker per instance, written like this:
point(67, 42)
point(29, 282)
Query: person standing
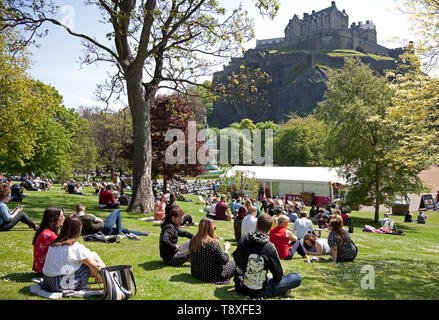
point(254, 257)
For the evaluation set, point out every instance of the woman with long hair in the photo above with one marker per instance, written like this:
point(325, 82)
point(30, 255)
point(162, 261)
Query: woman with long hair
point(208, 262)
point(47, 232)
point(69, 264)
point(342, 247)
point(9, 219)
point(315, 246)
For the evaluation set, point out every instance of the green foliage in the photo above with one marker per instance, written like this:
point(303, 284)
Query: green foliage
point(242, 182)
point(363, 139)
point(301, 142)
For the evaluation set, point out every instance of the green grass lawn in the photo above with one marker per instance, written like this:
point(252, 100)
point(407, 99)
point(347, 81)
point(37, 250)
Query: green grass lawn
point(405, 267)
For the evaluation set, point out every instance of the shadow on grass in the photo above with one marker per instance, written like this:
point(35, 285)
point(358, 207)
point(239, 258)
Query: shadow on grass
point(228, 293)
point(396, 279)
point(19, 277)
point(186, 278)
point(153, 265)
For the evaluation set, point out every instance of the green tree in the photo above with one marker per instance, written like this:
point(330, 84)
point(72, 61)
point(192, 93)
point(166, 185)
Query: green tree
point(24, 105)
point(156, 44)
point(301, 142)
point(364, 139)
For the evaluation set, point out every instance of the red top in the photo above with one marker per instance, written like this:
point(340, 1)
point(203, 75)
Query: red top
point(344, 217)
point(40, 249)
point(278, 236)
point(220, 210)
point(106, 197)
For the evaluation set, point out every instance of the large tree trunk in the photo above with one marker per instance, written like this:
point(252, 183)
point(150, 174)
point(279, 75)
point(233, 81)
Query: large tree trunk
point(142, 200)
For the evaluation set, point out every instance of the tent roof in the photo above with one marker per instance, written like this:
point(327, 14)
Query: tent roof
point(289, 174)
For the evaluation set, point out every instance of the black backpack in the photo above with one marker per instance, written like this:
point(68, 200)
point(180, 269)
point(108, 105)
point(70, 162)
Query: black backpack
point(100, 237)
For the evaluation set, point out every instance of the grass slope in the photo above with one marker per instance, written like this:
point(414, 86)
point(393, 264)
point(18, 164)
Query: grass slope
point(405, 267)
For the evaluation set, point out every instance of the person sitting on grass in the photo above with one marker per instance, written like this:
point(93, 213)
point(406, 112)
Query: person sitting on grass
point(72, 188)
point(222, 210)
point(9, 219)
point(160, 209)
point(17, 192)
point(171, 253)
point(339, 240)
point(316, 246)
point(284, 240)
point(240, 215)
point(208, 262)
point(323, 222)
point(385, 219)
point(254, 257)
point(112, 225)
point(106, 199)
point(171, 204)
point(408, 217)
point(47, 232)
point(249, 222)
point(277, 213)
point(303, 225)
point(69, 264)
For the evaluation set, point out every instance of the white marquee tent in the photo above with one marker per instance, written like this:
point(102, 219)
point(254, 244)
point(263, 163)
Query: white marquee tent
point(283, 181)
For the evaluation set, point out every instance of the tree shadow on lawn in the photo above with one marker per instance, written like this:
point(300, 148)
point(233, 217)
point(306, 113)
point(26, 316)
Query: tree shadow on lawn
point(153, 265)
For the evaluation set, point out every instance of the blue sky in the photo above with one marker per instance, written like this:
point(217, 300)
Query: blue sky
point(56, 61)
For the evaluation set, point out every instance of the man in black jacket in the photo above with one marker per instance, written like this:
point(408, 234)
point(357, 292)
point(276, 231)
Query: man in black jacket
point(170, 252)
point(254, 257)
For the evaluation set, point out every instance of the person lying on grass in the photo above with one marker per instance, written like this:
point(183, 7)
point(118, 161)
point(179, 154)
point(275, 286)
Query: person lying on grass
point(9, 219)
point(112, 225)
point(69, 264)
point(316, 246)
point(47, 232)
point(170, 252)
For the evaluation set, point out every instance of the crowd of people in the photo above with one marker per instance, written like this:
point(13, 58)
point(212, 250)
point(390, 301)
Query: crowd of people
point(261, 228)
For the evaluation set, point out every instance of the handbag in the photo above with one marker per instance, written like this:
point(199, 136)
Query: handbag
point(119, 283)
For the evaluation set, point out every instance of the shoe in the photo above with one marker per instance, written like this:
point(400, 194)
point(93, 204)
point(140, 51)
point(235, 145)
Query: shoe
point(132, 236)
point(121, 235)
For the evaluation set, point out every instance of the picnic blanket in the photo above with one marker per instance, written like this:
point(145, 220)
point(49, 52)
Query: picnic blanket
point(38, 290)
point(382, 230)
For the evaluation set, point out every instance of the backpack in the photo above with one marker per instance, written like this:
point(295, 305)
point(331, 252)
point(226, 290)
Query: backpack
point(100, 237)
point(124, 200)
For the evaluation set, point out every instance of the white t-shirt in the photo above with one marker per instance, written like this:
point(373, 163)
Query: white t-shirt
point(212, 209)
point(65, 259)
point(302, 226)
point(248, 224)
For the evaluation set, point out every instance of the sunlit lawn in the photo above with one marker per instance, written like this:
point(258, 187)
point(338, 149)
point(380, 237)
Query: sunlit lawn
point(405, 267)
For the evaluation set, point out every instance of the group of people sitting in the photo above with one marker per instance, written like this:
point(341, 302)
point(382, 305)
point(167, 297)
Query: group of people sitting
point(263, 241)
point(111, 195)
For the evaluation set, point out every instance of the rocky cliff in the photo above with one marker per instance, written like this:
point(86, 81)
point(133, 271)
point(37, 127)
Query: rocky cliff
point(298, 82)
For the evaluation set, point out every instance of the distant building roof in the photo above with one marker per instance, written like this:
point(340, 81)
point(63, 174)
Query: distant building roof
point(290, 174)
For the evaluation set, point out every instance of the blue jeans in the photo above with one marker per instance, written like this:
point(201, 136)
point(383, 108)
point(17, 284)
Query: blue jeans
point(115, 218)
point(275, 288)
